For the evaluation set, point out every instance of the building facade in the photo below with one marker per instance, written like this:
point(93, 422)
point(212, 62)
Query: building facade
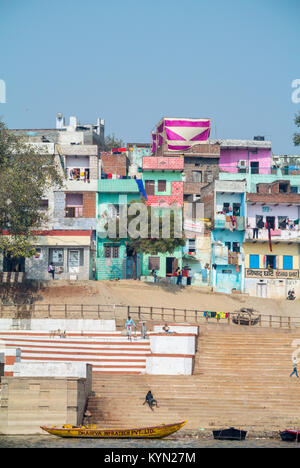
point(272, 240)
point(224, 205)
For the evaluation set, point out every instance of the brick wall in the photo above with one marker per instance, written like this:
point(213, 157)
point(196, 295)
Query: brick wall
point(274, 187)
point(273, 197)
point(89, 205)
point(114, 164)
point(208, 169)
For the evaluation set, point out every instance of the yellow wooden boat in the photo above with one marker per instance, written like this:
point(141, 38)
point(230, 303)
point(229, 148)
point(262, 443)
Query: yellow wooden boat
point(90, 431)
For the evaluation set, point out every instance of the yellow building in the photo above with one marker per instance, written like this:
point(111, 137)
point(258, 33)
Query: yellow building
point(271, 273)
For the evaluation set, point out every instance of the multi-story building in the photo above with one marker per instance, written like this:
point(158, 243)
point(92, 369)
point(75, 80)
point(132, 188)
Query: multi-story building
point(224, 206)
point(272, 239)
point(245, 156)
point(115, 259)
point(68, 237)
point(162, 177)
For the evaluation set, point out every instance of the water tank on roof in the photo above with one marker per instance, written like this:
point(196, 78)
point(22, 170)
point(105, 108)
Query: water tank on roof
point(259, 138)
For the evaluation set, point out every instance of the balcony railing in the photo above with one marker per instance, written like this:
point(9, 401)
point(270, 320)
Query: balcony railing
point(74, 212)
point(276, 234)
point(232, 223)
point(237, 169)
point(78, 174)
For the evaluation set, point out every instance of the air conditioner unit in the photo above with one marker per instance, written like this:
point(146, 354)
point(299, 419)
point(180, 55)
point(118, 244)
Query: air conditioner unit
point(242, 163)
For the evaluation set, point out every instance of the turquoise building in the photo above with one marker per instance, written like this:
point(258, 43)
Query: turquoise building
point(224, 203)
point(114, 259)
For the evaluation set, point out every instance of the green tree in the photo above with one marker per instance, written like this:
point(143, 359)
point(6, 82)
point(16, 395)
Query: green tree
point(25, 176)
point(151, 241)
point(296, 137)
point(111, 142)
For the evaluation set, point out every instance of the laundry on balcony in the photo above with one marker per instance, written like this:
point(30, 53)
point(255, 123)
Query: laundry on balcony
point(230, 222)
point(233, 258)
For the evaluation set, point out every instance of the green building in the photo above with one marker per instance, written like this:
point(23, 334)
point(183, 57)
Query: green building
point(114, 259)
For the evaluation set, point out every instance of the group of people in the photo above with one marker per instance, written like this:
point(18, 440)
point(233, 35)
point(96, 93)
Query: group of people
point(179, 274)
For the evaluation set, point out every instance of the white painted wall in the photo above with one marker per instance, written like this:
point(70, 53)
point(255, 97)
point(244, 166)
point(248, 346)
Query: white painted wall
point(51, 369)
point(169, 365)
point(55, 324)
point(173, 344)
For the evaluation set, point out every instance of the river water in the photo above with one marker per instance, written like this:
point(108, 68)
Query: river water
point(49, 441)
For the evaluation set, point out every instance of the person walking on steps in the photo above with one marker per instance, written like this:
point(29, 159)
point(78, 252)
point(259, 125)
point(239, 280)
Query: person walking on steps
point(295, 371)
point(128, 325)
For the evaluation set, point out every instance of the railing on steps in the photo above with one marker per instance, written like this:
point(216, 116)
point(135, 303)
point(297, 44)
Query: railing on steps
point(142, 313)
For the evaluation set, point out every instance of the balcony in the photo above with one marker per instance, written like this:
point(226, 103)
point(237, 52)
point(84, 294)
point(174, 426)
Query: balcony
point(152, 163)
point(74, 212)
point(283, 235)
point(223, 256)
point(232, 223)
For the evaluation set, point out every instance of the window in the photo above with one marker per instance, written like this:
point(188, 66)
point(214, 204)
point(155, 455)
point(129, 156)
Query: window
point(192, 245)
point(271, 261)
point(111, 250)
point(259, 221)
point(294, 189)
point(253, 261)
point(196, 176)
point(287, 262)
point(153, 263)
point(74, 205)
point(228, 245)
point(270, 221)
point(236, 209)
point(283, 188)
point(236, 247)
point(56, 256)
point(150, 187)
point(282, 222)
point(162, 186)
point(254, 167)
point(226, 207)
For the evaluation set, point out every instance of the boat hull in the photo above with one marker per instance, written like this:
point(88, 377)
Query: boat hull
point(229, 434)
point(155, 432)
point(290, 436)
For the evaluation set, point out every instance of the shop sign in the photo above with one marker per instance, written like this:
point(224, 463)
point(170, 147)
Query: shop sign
point(271, 274)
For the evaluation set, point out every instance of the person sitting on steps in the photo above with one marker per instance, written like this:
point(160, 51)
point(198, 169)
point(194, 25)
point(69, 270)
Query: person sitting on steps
point(150, 400)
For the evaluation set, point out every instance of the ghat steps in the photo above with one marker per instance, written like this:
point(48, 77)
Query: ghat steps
point(241, 378)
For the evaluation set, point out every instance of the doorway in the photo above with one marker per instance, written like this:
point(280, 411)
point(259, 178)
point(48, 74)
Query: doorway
point(261, 289)
point(74, 261)
point(171, 265)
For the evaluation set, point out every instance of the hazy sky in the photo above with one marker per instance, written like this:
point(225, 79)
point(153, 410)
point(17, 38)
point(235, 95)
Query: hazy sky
point(132, 62)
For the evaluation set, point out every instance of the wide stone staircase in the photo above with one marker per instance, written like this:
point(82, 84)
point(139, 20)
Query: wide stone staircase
point(241, 378)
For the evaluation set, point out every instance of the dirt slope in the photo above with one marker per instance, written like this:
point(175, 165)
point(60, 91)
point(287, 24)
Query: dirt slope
point(129, 292)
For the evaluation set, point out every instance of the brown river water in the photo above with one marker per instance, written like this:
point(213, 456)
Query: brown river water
point(107, 446)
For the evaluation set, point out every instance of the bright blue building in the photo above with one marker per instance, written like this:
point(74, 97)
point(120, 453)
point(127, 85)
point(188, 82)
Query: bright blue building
point(224, 204)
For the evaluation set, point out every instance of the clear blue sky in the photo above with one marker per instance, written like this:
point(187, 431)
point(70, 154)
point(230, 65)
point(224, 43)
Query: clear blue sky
point(133, 61)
